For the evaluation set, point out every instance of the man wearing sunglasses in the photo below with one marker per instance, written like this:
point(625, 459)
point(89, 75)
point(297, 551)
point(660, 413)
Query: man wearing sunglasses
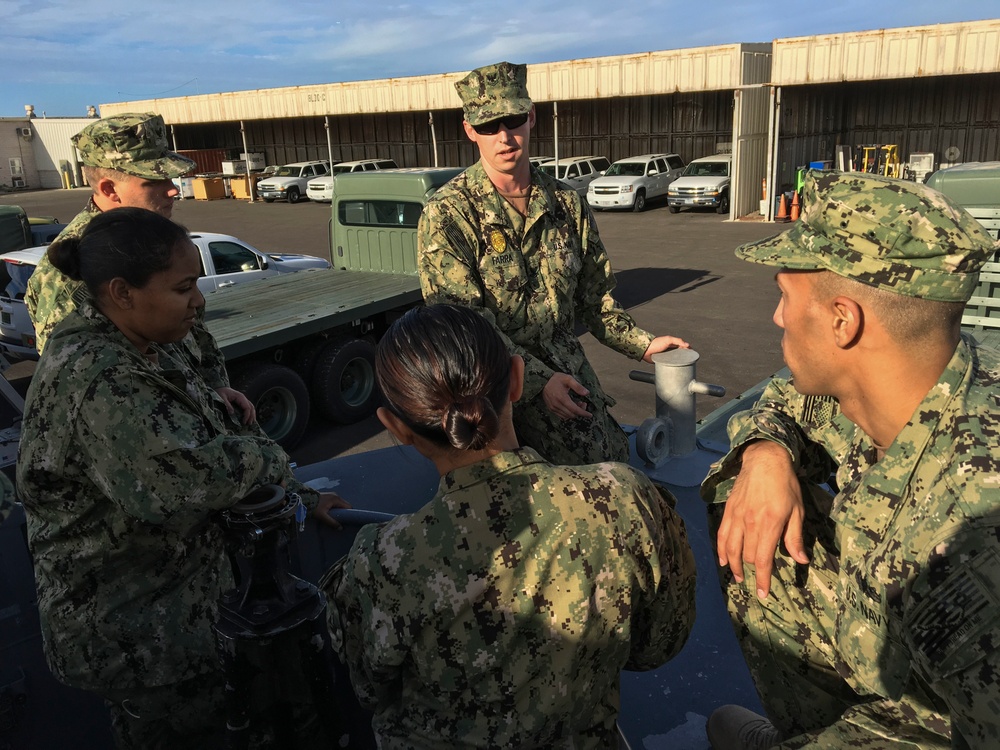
point(523, 249)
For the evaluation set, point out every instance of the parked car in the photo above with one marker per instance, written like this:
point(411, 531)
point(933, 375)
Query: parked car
point(321, 188)
point(629, 183)
point(290, 181)
point(225, 261)
point(577, 171)
point(704, 182)
point(539, 160)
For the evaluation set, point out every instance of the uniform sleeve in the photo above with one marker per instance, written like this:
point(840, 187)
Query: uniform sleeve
point(664, 610)
point(595, 305)
point(159, 459)
point(6, 497)
point(810, 428)
point(449, 273)
point(367, 620)
point(952, 626)
point(49, 299)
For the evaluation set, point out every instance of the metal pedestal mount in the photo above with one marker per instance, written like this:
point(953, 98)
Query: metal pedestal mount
point(671, 433)
point(271, 632)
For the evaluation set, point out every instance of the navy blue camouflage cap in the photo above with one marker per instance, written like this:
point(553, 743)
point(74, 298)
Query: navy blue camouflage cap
point(892, 234)
point(134, 143)
point(494, 91)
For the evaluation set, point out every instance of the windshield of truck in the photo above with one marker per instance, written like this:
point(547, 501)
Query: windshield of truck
point(379, 213)
point(707, 169)
point(626, 169)
point(341, 170)
point(14, 278)
point(287, 172)
point(550, 169)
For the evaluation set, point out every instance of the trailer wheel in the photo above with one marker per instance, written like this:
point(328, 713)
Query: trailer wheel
point(281, 399)
point(306, 356)
point(343, 382)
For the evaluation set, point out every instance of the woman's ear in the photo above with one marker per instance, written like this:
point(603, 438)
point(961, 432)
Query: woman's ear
point(119, 293)
point(516, 377)
point(395, 425)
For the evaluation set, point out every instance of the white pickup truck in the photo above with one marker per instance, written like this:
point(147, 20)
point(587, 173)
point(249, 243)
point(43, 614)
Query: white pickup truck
point(291, 180)
point(225, 262)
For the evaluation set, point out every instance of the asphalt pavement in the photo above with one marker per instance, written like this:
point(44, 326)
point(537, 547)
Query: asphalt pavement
point(676, 274)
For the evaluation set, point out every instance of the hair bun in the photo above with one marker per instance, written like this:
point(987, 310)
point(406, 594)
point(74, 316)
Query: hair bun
point(472, 423)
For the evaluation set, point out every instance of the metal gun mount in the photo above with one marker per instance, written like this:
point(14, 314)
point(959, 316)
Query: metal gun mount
point(671, 433)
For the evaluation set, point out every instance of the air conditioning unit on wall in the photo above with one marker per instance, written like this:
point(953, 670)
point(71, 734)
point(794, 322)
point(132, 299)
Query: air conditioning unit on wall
point(25, 133)
point(17, 182)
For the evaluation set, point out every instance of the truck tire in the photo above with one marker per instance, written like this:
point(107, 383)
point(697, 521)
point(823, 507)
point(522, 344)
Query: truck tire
point(723, 207)
point(640, 201)
point(293, 195)
point(306, 356)
point(280, 397)
point(343, 381)
point(673, 209)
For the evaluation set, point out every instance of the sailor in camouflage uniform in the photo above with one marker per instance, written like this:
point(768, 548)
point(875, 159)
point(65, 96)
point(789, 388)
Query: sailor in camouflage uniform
point(125, 455)
point(501, 613)
point(524, 250)
point(880, 626)
point(127, 162)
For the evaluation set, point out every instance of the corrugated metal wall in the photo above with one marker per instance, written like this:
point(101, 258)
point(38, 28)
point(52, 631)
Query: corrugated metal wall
point(52, 147)
point(918, 115)
point(687, 124)
point(750, 134)
point(648, 73)
point(917, 51)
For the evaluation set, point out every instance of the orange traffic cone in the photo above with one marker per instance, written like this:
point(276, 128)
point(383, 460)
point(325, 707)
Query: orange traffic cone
point(795, 207)
point(763, 189)
point(782, 210)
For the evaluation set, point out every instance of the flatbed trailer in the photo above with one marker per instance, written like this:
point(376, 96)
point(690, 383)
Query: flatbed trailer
point(305, 342)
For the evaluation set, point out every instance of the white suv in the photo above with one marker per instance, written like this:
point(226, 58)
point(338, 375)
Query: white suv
point(290, 181)
point(629, 183)
point(704, 182)
point(577, 171)
point(321, 188)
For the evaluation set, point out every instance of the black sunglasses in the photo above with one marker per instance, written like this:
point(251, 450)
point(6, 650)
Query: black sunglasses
point(511, 122)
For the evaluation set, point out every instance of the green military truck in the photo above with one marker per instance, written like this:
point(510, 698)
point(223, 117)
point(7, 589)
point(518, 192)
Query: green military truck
point(303, 344)
point(15, 229)
point(976, 187)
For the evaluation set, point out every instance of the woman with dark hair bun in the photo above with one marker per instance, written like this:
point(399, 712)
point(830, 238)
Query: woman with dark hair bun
point(126, 453)
point(501, 613)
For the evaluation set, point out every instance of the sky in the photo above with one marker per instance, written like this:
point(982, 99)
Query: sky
point(63, 56)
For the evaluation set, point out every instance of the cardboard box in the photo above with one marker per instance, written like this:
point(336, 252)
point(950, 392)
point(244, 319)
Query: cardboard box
point(209, 188)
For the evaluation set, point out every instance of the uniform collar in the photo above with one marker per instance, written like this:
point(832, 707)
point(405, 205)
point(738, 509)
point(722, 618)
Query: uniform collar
point(485, 470)
point(542, 201)
point(890, 476)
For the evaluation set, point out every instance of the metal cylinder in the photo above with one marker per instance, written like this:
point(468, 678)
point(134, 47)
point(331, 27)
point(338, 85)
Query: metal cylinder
point(675, 371)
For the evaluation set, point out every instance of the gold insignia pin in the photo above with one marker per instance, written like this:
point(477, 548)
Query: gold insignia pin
point(497, 241)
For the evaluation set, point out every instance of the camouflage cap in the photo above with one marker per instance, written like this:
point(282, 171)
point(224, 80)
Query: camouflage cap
point(135, 144)
point(493, 92)
point(892, 234)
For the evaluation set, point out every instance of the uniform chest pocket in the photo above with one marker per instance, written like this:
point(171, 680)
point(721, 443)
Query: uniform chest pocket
point(506, 285)
point(876, 661)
